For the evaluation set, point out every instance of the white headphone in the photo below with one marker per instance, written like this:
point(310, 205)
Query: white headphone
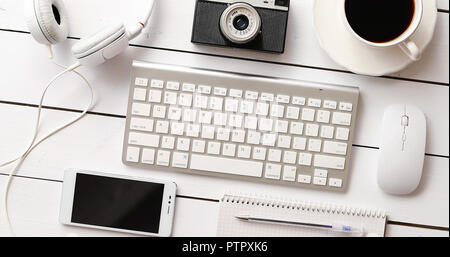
point(48, 23)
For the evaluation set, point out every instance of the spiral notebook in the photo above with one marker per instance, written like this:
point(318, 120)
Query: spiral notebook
point(372, 222)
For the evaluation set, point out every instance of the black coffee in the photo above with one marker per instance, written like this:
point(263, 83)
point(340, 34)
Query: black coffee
point(379, 20)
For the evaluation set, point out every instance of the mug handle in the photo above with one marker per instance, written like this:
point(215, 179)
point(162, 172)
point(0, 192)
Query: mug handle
point(410, 49)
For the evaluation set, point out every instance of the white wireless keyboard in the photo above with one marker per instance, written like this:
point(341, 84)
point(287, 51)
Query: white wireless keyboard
point(242, 126)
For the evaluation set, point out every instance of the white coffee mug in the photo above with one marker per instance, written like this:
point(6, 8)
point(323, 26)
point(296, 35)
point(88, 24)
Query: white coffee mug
point(403, 41)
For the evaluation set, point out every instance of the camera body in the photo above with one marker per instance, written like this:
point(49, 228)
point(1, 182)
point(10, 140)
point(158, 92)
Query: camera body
point(250, 24)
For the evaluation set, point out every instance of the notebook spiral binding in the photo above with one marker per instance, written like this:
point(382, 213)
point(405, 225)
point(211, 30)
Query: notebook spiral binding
point(262, 200)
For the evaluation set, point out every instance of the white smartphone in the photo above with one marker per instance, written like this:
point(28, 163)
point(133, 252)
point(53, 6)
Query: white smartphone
point(118, 203)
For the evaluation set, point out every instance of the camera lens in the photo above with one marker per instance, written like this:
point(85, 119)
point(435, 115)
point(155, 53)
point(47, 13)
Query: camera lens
point(240, 22)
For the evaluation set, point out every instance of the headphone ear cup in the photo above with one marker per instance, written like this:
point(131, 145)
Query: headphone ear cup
point(47, 20)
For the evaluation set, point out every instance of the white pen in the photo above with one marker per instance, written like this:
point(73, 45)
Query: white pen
point(341, 228)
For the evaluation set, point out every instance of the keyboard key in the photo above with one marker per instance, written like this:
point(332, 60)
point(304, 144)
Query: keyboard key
point(174, 114)
point(140, 109)
point(236, 93)
point(202, 89)
point(308, 114)
point(168, 142)
point(343, 106)
point(342, 133)
point(277, 111)
point(204, 117)
point(305, 179)
point(312, 130)
point(148, 156)
point(215, 103)
point(292, 113)
point(327, 104)
point(180, 160)
point(251, 95)
point(214, 148)
point(335, 182)
point(314, 145)
point(185, 100)
point(327, 132)
point(289, 173)
point(269, 139)
point(296, 128)
point(298, 100)
point(244, 151)
point(312, 102)
point(162, 127)
point(189, 115)
point(281, 126)
point(338, 148)
point(177, 128)
point(183, 144)
point(235, 120)
point(141, 124)
point(284, 99)
point(323, 116)
point(253, 137)
point(220, 119)
point(259, 153)
point(251, 122)
point(321, 173)
point(208, 132)
point(340, 118)
point(133, 154)
point(172, 85)
point(140, 94)
point(265, 124)
point(299, 143)
point(149, 140)
point(200, 101)
point(329, 162)
point(192, 130)
point(223, 134)
point(273, 171)
point(284, 141)
point(262, 109)
point(187, 87)
point(159, 111)
point(289, 157)
point(163, 158)
point(157, 83)
point(226, 165)
point(220, 91)
point(170, 98)
point(320, 181)
point(229, 150)
point(238, 136)
point(198, 146)
point(142, 82)
point(154, 96)
point(267, 97)
point(247, 107)
point(304, 159)
point(274, 155)
point(231, 105)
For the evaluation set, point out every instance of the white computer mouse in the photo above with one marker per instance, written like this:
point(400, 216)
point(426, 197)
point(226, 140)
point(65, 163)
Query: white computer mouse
point(402, 149)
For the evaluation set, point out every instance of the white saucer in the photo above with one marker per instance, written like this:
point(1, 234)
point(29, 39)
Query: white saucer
point(349, 52)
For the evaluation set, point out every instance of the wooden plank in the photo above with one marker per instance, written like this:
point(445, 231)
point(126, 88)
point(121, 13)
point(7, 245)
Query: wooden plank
point(111, 85)
point(34, 211)
point(166, 32)
point(95, 143)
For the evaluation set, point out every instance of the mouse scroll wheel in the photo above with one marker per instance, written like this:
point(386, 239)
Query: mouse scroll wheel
point(405, 120)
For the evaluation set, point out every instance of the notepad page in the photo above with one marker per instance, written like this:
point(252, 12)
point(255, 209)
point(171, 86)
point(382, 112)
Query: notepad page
point(229, 226)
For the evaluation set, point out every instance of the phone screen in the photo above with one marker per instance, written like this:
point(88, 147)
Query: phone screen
point(117, 203)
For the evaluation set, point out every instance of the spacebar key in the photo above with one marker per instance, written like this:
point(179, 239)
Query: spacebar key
point(226, 166)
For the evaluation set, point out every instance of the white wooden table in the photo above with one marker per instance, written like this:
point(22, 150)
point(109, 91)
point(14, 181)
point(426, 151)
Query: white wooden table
point(95, 143)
